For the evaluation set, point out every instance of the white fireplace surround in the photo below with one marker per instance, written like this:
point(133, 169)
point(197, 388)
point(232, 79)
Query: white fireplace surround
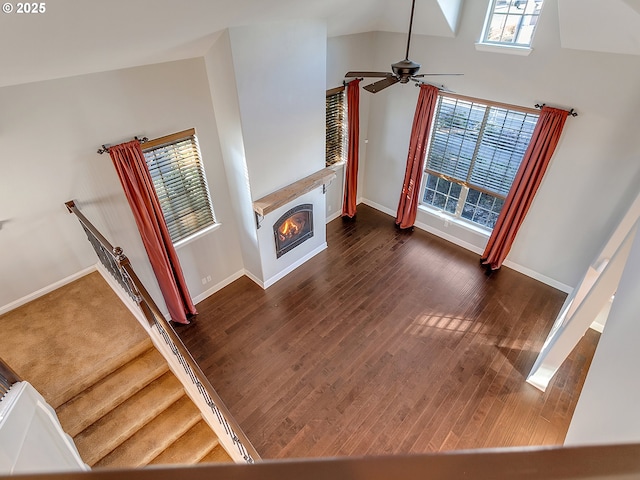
point(268, 211)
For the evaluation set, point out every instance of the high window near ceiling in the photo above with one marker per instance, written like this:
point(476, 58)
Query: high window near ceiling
point(474, 153)
point(511, 22)
point(178, 177)
point(336, 132)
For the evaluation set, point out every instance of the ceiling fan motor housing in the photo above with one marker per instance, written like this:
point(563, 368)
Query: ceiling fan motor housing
point(405, 69)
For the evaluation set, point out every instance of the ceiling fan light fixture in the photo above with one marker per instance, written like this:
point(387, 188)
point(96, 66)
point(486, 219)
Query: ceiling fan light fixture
point(405, 69)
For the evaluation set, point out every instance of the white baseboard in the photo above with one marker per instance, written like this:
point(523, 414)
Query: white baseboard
point(294, 265)
point(379, 207)
point(461, 243)
point(538, 276)
point(49, 288)
point(254, 279)
point(330, 218)
point(270, 281)
point(218, 286)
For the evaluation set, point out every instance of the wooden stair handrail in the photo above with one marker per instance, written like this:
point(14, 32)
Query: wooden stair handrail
point(202, 378)
point(608, 462)
point(154, 316)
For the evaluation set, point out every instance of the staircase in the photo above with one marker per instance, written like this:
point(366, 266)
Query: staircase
point(138, 414)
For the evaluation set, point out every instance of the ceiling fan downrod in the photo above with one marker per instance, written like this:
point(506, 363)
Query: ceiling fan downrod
point(413, 6)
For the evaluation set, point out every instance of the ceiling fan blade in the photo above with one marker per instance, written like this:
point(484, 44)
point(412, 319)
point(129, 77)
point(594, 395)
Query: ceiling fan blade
point(369, 74)
point(435, 74)
point(381, 84)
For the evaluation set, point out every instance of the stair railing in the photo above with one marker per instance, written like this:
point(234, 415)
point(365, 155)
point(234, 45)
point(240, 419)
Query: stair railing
point(7, 378)
point(118, 265)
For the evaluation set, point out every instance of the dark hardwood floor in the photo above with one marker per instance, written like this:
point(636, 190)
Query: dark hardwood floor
point(386, 343)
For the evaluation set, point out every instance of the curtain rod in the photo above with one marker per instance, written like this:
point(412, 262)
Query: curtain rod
point(105, 148)
point(572, 112)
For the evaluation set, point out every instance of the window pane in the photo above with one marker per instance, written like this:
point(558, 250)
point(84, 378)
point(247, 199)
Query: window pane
point(496, 27)
point(504, 141)
point(482, 208)
point(178, 178)
point(512, 22)
point(482, 147)
point(336, 128)
point(454, 138)
point(441, 193)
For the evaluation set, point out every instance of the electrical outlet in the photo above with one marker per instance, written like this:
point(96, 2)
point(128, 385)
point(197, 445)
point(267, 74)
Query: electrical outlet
point(208, 278)
point(204, 280)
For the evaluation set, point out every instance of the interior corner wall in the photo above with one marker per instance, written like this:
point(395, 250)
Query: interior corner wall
point(607, 410)
point(280, 81)
point(345, 53)
point(50, 133)
point(224, 93)
point(280, 72)
point(595, 170)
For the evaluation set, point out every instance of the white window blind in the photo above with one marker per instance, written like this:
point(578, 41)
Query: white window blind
point(336, 133)
point(474, 154)
point(179, 180)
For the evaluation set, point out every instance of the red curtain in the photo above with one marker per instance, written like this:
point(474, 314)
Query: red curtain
point(353, 126)
point(534, 164)
point(410, 196)
point(143, 200)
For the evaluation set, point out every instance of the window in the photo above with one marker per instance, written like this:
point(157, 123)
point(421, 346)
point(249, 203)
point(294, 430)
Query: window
point(336, 143)
point(474, 154)
point(178, 177)
point(511, 22)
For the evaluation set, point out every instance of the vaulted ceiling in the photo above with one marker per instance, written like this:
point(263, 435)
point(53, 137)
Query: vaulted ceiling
point(74, 37)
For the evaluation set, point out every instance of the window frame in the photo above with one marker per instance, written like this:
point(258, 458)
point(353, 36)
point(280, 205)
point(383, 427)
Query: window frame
point(342, 127)
point(189, 175)
point(465, 185)
point(517, 47)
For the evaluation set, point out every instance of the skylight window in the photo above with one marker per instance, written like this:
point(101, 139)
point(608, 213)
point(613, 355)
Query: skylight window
point(511, 22)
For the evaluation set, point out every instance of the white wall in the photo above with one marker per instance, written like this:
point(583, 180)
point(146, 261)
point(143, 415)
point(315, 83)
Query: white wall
point(595, 171)
point(345, 53)
point(276, 107)
point(222, 83)
point(280, 71)
point(49, 135)
point(607, 410)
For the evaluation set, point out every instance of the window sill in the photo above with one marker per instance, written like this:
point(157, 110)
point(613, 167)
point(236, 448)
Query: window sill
point(459, 222)
point(196, 236)
point(509, 49)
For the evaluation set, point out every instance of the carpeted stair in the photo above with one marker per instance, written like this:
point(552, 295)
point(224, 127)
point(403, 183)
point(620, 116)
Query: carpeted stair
point(136, 415)
point(113, 392)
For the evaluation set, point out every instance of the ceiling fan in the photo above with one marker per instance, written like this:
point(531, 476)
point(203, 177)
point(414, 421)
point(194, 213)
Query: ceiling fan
point(403, 71)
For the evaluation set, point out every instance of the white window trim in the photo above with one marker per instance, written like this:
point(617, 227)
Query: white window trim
point(189, 134)
point(456, 217)
point(498, 47)
point(196, 236)
point(447, 218)
point(504, 48)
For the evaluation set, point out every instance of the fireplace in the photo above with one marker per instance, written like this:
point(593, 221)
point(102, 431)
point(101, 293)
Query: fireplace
point(293, 228)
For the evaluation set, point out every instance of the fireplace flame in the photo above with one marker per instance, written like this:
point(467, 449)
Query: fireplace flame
point(291, 227)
